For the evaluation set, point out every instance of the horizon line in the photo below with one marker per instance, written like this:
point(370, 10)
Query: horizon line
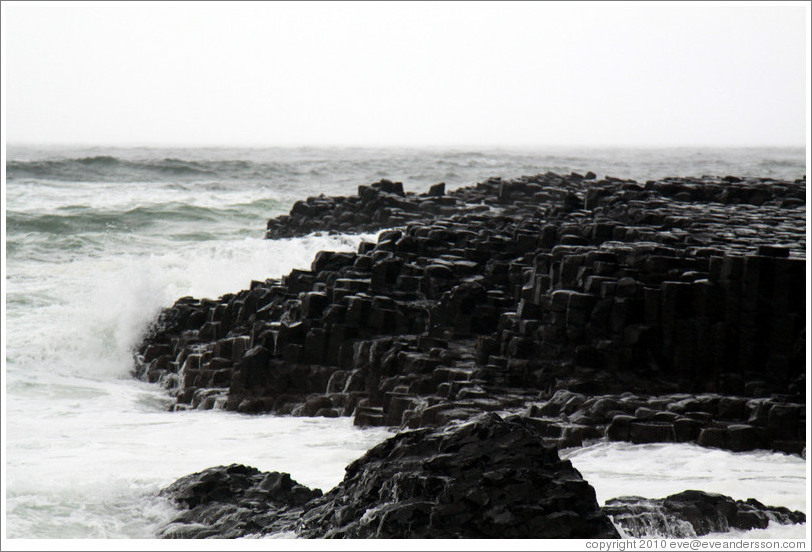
point(182, 145)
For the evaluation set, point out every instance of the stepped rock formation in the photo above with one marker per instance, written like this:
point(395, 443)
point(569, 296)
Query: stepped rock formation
point(670, 311)
point(495, 324)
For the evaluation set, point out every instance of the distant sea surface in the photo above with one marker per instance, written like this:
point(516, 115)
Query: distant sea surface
point(99, 239)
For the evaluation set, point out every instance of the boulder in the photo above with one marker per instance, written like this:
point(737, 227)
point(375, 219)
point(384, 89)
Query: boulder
point(436, 190)
point(486, 478)
point(692, 514)
point(234, 501)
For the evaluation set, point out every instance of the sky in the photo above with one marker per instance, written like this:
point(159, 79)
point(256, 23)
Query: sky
point(408, 74)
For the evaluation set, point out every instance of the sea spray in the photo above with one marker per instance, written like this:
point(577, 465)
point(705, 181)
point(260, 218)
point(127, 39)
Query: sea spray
point(105, 304)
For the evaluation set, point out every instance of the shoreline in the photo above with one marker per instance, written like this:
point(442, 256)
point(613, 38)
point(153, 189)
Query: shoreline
point(594, 287)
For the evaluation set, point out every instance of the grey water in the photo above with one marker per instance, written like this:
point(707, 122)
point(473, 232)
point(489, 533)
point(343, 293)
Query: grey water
point(99, 239)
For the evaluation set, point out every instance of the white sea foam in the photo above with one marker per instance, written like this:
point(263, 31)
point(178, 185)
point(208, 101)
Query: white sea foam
point(95, 309)
point(658, 470)
point(87, 447)
point(85, 459)
point(61, 197)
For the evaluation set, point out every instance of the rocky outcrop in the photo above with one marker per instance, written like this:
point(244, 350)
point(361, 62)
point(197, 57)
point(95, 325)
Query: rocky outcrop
point(568, 419)
point(693, 514)
point(487, 478)
point(483, 479)
point(383, 204)
point(686, 294)
point(234, 501)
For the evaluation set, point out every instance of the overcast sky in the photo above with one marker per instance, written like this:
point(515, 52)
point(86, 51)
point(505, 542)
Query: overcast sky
point(420, 74)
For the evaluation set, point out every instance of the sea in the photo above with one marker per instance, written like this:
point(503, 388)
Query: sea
point(99, 239)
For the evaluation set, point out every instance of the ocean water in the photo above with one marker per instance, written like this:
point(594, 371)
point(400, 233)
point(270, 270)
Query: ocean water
point(99, 239)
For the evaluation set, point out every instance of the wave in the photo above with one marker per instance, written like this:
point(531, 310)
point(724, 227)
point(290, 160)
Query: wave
point(778, 163)
point(316, 167)
point(80, 219)
point(104, 167)
point(107, 168)
point(98, 160)
point(110, 168)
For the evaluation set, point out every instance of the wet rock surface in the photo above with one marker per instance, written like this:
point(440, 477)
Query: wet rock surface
point(686, 295)
point(234, 501)
point(694, 514)
point(711, 420)
point(485, 479)
point(491, 477)
point(482, 479)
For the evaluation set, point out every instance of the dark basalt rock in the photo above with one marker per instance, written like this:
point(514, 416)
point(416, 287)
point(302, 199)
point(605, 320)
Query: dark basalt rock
point(710, 420)
point(491, 477)
point(694, 513)
point(234, 501)
point(497, 296)
point(670, 311)
point(482, 479)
